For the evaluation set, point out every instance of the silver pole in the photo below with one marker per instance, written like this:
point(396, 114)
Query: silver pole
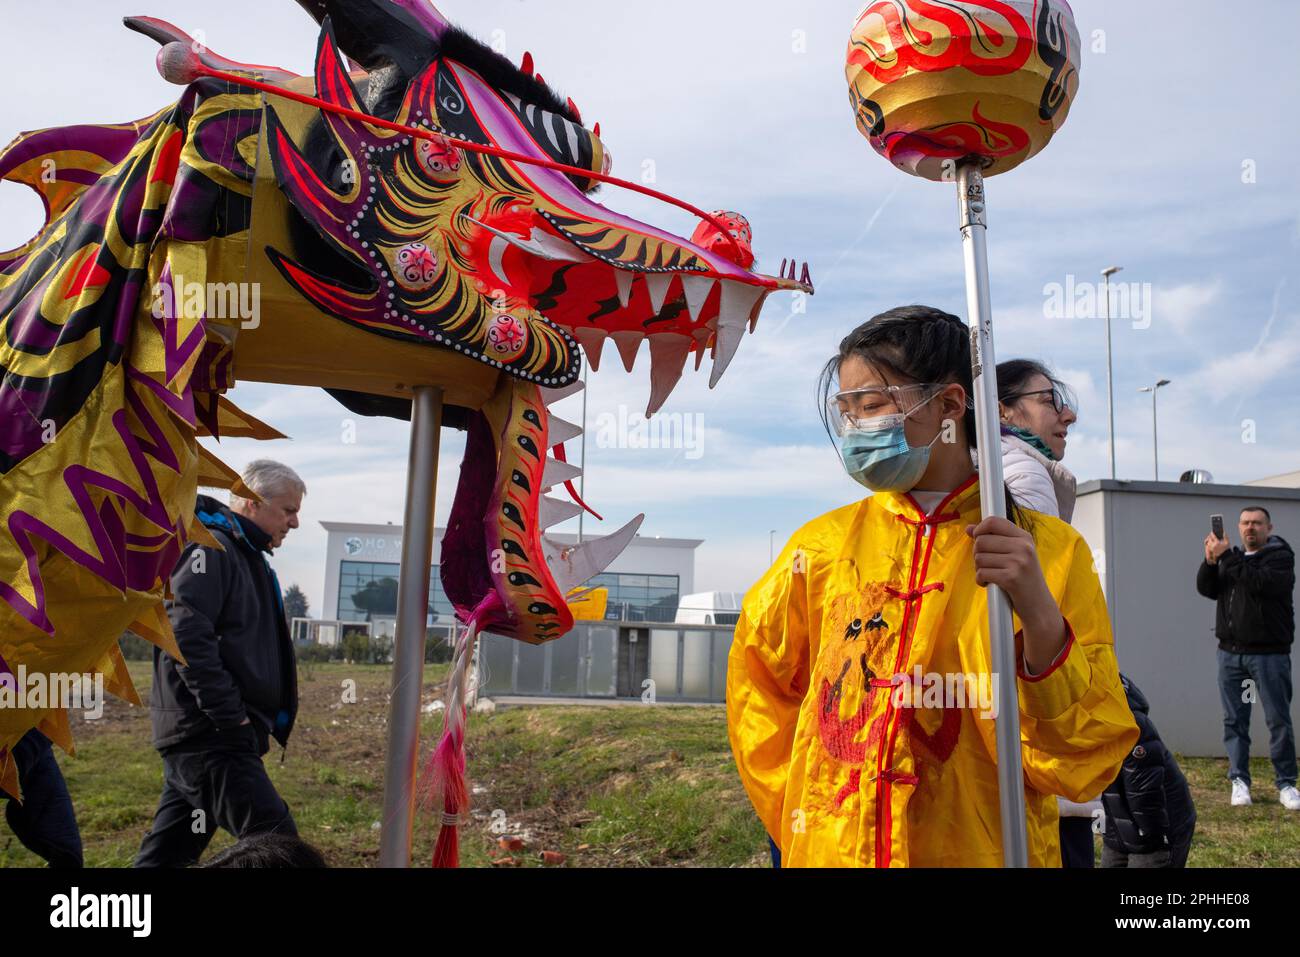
point(412, 615)
point(1110, 387)
point(1155, 436)
point(582, 460)
point(1002, 646)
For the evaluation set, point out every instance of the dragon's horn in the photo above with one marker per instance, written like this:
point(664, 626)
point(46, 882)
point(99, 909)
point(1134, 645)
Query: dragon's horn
point(571, 565)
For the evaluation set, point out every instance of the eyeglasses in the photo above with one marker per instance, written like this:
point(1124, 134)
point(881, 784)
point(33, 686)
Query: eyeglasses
point(847, 407)
point(1060, 399)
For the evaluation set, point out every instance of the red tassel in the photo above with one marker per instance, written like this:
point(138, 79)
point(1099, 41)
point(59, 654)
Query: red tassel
point(446, 777)
point(443, 781)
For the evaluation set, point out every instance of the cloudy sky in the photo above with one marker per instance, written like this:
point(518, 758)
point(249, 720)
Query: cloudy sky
point(1177, 162)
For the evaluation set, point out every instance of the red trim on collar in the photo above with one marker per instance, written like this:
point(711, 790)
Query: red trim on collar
point(969, 481)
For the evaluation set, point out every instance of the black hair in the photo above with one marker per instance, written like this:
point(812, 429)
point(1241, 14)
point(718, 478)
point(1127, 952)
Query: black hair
point(1014, 375)
point(917, 344)
point(268, 850)
point(1257, 508)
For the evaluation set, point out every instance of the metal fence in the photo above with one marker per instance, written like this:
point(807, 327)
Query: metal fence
point(322, 631)
point(659, 662)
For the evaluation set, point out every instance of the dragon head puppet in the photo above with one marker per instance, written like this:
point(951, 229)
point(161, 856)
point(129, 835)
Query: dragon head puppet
point(417, 213)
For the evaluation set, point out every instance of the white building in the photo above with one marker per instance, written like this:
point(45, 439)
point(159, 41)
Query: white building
point(361, 570)
point(637, 651)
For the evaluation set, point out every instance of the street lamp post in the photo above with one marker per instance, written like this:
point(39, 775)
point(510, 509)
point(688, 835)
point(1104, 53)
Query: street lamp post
point(1155, 436)
point(1110, 388)
point(771, 541)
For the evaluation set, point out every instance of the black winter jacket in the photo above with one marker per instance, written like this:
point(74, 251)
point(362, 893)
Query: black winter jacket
point(1149, 806)
point(1255, 613)
point(228, 617)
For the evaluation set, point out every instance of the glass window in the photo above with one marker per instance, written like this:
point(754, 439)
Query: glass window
point(695, 664)
point(721, 649)
point(564, 666)
point(532, 662)
point(497, 663)
point(602, 652)
point(663, 661)
point(367, 590)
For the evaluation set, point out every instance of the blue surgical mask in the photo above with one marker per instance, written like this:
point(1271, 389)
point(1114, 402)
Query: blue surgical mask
point(876, 453)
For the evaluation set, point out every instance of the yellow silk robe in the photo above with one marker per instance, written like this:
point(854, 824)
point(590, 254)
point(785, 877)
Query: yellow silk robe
point(844, 768)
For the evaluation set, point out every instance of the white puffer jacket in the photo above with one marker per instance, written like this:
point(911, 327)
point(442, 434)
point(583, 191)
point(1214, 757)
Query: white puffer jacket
point(1046, 486)
point(1036, 481)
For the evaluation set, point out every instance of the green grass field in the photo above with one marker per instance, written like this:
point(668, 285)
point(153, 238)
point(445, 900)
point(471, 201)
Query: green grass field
point(605, 787)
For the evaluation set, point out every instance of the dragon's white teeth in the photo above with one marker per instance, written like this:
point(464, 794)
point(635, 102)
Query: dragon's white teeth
point(572, 565)
point(628, 342)
point(496, 258)
point(668, 351)
point(559, 430)
point(656, 284)
point(552, 396)
point(697, 289)
point(557, 473)
point(552, 511)
point(758, 309)
point(593, 340)
point(737, 302)
point(701, 344)
point(623, 278)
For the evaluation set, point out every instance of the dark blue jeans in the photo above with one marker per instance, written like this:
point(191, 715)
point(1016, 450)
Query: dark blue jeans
point(44, 821)
point(1271, 678)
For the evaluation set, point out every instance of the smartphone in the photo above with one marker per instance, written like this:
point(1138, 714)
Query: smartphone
point(1216, 526)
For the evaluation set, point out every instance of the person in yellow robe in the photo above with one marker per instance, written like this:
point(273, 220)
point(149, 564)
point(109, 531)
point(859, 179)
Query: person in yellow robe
point(860, 699)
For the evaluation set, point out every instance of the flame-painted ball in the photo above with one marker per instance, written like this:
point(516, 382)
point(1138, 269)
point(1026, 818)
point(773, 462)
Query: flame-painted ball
point(507, 336)
point(936, 82)
point(415, 267)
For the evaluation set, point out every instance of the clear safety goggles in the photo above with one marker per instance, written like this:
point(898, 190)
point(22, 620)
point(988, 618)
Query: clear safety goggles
point(854, 408)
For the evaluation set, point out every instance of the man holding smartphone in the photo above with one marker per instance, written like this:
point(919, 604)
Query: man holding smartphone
point(1255, 625)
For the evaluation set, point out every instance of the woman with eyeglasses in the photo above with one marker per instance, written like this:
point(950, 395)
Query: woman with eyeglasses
point(860, 702)
point(1037, 410)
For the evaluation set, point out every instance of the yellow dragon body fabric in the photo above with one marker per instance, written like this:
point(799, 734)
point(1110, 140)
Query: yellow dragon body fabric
point(860, 701)
point(435, 231)
point(99, 454)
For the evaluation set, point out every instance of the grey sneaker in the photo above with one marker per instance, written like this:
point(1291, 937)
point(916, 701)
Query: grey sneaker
point(1240, 793)
point(1290, 798)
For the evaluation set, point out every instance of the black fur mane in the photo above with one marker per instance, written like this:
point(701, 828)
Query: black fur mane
point(499, 73)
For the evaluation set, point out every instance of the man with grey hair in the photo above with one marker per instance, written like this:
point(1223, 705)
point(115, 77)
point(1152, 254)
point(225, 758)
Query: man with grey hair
point(214, 715)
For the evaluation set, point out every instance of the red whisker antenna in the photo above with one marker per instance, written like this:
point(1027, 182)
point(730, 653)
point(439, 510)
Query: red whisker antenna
point(179, 64)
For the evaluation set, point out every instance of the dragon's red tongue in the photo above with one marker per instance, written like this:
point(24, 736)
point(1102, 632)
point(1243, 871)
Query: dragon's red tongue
point(709, 237)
